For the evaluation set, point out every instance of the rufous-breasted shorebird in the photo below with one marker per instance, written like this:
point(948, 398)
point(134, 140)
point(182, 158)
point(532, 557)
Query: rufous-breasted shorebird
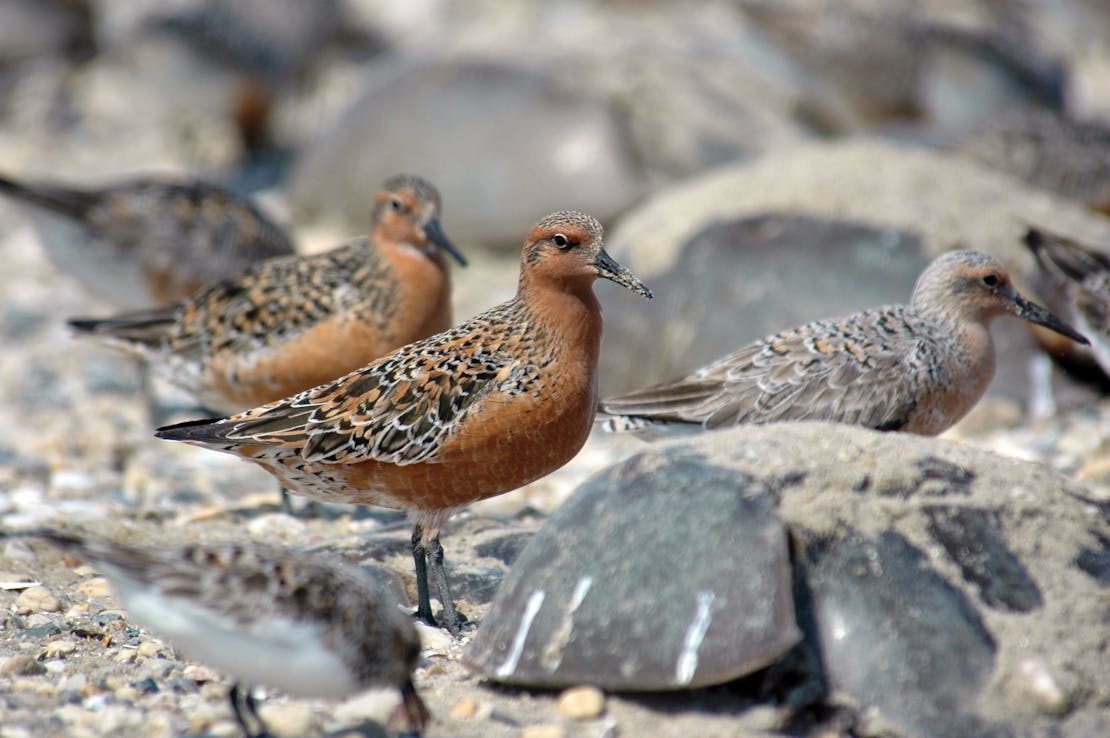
point(917, 368)
point(304, 623)
point(478, 410)
point(149, 241)
point(294, 322)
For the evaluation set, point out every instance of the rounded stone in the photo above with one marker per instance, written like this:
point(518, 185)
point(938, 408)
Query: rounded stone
point(59, 648)
point(628, 586)
point(464, 709)
point(581, 703)
point(36, 599)
point(1052, 690)
point(151, 649)
point(433, 118)
point(95, 587)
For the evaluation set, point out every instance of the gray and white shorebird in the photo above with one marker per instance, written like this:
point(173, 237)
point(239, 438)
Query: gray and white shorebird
point(148, 241)
point(306, 624)
point(916, 368)
point(1078, 276)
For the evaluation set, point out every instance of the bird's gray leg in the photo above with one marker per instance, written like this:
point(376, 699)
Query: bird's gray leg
point(240, 698)
point(453, 620)
point(419, 558)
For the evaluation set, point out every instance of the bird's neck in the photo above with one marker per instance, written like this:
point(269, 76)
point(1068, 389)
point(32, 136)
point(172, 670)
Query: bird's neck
point(424, 285)
point(566, 308)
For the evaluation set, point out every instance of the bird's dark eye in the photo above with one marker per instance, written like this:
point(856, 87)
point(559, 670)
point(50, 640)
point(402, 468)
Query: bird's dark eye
point(395, 205)
point(991, 280)
point(560, 240)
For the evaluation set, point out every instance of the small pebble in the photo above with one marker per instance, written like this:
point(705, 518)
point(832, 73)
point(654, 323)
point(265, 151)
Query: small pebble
point(151, 649)
point(59, 648)
point(21, 664)
point(1053, 692)
point(464, 709)
point(147, 686)
point(95, 587)
point(200, 673)
point(434, 639)
point(160, 668)
point(36, 599)
point(96, 702)
point(582, 703)
point(128, 693)
point(126, 656)
point(288, 720)
point(762, 719)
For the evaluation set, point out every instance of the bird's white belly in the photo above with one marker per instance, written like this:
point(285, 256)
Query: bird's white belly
point(275, 651)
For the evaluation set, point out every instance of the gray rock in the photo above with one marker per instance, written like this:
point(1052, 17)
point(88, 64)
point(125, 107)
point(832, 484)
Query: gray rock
point(503, 144)
point(810, 233)
point(900, 62)
point(894, 635)
point(648, 578)
point(974, 539)
point(940, 584)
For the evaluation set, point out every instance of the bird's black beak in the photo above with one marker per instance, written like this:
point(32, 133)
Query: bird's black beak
point(434, 231)
point(1034, 313)
point(608, 268)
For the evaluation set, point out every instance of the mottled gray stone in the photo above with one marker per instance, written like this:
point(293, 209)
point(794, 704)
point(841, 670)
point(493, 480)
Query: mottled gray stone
point(895, 635)
point(974, 539)
point(649, 577)
point(945, 590)
point(504, 145)
point(504, 548)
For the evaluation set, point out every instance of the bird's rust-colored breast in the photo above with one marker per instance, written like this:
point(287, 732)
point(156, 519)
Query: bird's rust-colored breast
point(343, 342)
point(510, 443)
point(513, 437)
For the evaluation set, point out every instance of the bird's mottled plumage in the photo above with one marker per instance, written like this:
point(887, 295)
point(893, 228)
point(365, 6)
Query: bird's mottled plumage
point(917, 368)
point(294, 322)
point(480, 409)
point(149, 241)
point(1078, 278)
point(302, 622)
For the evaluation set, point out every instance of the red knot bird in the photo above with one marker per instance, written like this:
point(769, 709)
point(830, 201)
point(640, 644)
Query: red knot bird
point(304, 623)
point(294, 322)
point(1078, 276)
point(149, 241)
point(916, 368)
point(476, 411)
